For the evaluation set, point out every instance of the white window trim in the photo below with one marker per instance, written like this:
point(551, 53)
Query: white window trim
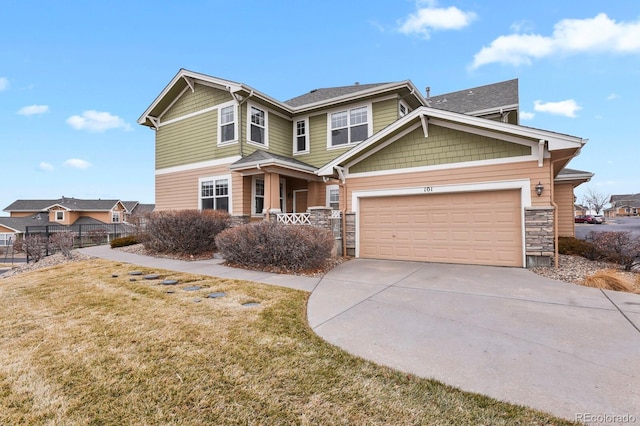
point(306, 136)
point(214, 178)
point(283, 195)
point(266, 125)
point(349, 108)
point(115, 214)
point(253, 195)
point(4, 238)
point(404, 104)
point(55, 215)
point(235, 123)
point(329, 188)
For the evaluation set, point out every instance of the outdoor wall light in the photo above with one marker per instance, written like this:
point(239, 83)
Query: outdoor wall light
point(539, 188)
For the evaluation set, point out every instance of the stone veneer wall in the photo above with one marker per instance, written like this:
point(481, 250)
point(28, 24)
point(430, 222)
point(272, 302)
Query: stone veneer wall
point(539, 241)
point(238, 220)
point(351, 233)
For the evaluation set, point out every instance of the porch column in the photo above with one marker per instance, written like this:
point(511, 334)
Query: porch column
point(271, 193)
point(313, 194)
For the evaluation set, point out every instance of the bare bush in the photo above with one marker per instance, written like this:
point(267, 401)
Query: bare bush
point(269, 244)
point(617, 246)
point(184, 232)
point(62, 241)
point(97, 235)
point(34, 245)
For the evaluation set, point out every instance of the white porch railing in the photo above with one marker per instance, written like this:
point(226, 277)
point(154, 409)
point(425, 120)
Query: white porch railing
point(294, 218)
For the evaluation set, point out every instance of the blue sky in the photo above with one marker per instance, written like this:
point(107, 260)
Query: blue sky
point(76, 75)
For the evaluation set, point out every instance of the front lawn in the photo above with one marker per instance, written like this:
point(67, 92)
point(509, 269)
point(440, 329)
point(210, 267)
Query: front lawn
point(78, 346)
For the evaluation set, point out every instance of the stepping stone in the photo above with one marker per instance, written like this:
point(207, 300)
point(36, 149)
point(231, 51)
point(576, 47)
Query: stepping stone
point(135, 273)
point(169, 282)
point(196, 300)
point(216, 295)
point(249, 304)
point(192, 288)
point(151, 277)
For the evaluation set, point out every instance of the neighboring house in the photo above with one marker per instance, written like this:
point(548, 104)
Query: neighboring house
point(452, 178)
point(624, 205)
point(66, 211)
point(580, 210)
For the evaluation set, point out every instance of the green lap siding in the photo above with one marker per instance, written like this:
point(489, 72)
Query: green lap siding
point(384, 113)
point(443, 146)
point(191, 140)
point(190, 102)
point(318, 153)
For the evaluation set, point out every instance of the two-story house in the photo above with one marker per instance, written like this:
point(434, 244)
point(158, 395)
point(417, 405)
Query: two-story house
point(453, 178)
point(623, 205)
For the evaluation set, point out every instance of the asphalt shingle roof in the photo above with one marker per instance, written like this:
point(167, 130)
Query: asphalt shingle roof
point(259, 155)
point(319, 95)
point(478, 98)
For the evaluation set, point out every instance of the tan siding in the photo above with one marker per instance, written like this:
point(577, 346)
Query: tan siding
point(189, 141)
point(101, 216)
point(179, 191)
point(563, 197)
point(190, 102)
point(6, 230)
point(22, 214)
point(384, 113)
point(443, 146)
point(500, 172)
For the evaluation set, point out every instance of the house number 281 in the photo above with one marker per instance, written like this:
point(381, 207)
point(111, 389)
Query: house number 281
point(428, 189)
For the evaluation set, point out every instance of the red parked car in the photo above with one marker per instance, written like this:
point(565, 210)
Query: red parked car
point(588, 219)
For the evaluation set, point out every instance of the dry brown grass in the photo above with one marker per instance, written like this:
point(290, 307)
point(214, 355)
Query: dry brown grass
point(611, 279)
point(78, 346)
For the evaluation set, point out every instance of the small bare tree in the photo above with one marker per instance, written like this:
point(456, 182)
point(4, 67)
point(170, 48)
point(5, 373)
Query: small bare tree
point(595, 200)
point(62, 241)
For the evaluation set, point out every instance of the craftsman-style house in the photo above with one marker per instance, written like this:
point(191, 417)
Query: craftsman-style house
point(450, 178)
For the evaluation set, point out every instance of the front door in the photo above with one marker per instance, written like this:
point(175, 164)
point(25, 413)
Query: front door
point(300, 201)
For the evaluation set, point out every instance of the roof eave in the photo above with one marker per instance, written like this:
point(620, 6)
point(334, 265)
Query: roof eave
point(272, 162)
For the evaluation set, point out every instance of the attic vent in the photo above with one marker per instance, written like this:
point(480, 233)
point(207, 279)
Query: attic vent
point(313, 91)
point(357, 83)
point(471, 92)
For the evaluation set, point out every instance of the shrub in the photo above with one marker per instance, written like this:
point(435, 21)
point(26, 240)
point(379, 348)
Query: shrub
point(62, 241)
point(617, 246)
point(34, 245)
point(124, 241)
point(578, 247)
point(184, 232)
point(268, 244)
point(97, 235)
point(609, 280)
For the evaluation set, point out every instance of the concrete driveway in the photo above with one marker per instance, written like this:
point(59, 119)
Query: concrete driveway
point(504, 332)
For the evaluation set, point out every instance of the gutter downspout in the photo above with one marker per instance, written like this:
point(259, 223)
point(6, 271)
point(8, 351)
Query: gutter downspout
point(240, 101)
point(555, 206)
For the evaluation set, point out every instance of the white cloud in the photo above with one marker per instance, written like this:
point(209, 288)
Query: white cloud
point(45, 166)
point(33, 109)
point(4, 83)
point(613, 96)
point(96, 121)
point(526, 115)
point(570, 36)
point(566, 108)
point(431, 18)
point(77, 163)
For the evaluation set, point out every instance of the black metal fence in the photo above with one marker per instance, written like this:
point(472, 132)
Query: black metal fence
point(83, 235)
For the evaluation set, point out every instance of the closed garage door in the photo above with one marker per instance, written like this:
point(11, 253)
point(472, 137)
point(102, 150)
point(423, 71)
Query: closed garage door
point(481, 228)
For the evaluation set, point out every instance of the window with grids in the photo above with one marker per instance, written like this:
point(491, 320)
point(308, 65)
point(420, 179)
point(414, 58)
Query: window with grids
point(349, 126)
point(258, 198)
point(301, 139)
point(227, 124)
point(258, 131)
point(6, 239)
point(333, 197)
point(214, 194)
point(59, 215)
point(115, 217)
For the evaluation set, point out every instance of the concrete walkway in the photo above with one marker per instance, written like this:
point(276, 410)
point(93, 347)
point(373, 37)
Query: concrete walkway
point(503, 332)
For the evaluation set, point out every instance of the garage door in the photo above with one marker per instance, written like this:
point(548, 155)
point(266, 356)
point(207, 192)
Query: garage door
point(481, 228)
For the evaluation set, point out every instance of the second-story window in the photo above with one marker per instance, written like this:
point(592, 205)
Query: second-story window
point(349, 126)
point(115, 217)
point(258, 125)
point(300, 140)
point(227, 126)
point(59, 215)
